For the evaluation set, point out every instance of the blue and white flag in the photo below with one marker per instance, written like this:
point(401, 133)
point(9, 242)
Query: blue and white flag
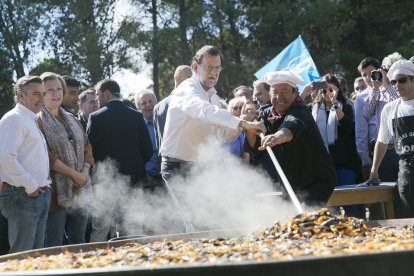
point(295, 58)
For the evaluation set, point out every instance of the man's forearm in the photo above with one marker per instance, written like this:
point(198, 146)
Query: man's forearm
point(379, 152)
point(284, 135)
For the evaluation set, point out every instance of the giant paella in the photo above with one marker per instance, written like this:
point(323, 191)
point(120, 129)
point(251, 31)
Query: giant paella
point(311, 234)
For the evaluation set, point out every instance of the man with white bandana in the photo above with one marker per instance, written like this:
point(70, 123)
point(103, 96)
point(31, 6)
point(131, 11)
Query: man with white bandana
point(397, 123)
point(295, 139)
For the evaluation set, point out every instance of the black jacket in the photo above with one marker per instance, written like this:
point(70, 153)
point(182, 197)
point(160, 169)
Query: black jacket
point(304, 160)
point(119, 133)
point(343, 151)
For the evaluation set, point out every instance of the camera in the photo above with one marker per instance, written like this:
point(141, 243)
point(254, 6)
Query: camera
point(376, 75)
point(317, 85)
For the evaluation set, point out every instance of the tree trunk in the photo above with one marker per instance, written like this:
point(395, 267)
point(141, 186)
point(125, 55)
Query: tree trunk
point(12, 40)
point(183, 32)
point(233, 31)
point(93, 48)
point(155, 49)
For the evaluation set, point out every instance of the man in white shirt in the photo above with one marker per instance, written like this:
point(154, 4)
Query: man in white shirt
point(195, 113)
point(24, 169)
point(397, 125)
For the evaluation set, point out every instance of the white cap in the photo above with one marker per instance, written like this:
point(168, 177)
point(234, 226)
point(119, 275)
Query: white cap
point(288, 77)
point(401, 67)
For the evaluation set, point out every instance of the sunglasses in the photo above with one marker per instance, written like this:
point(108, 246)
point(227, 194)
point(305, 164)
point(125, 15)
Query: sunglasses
point(324, 91)
point(400, 80)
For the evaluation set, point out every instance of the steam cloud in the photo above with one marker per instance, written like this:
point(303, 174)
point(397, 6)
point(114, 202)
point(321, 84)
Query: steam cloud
point(218, 192)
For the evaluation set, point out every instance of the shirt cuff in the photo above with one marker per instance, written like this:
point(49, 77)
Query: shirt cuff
point(234, 122)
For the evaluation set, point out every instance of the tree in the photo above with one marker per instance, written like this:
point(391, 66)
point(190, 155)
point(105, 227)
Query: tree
point(6, 87)
point(51, 65)
point(19, 23)
point(86, 37)
point(339, 34)
point(228, 16)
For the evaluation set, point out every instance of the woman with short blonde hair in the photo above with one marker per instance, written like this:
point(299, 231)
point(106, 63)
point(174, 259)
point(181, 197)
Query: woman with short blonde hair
point(70, 157)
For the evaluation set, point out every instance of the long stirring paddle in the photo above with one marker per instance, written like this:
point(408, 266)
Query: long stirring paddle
point(285, 181)
point(189, 227)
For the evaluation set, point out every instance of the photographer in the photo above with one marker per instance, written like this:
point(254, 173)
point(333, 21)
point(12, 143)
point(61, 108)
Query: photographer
point(334, 116)
point(382, 91)
point(368, 107)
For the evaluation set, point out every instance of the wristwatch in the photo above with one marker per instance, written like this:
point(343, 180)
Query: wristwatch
point(336, 105)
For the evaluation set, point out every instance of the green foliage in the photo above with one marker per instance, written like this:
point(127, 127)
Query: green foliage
point(51, 65)
point(19, 31)
point(86, 39)
point(6, 87)
point(18, 25)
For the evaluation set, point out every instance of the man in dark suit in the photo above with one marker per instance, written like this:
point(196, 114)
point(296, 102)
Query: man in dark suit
point(119, 133)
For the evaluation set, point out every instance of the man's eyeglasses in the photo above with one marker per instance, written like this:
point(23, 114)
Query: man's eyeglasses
point(237, 108)
point(400, 80)
point(210, 68)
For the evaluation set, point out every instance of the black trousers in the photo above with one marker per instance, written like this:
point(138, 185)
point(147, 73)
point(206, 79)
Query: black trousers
point(404, 194)
point(4, 237)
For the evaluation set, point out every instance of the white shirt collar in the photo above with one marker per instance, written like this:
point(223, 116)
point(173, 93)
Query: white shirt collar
point(209, 93)
point(24, 110)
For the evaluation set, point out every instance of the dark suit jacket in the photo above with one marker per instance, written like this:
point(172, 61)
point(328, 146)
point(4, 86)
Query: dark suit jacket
point(83, 120)
point(119, 132)
point(160, 116)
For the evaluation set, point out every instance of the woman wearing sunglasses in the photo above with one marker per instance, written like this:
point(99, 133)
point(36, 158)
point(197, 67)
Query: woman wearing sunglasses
point(397, 125)
point(334, 117)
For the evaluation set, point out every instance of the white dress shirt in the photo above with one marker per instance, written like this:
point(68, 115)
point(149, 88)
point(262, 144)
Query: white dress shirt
point(194, 115)
point(24, 160)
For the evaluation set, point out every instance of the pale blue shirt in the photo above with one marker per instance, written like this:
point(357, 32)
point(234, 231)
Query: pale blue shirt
point(365, 128)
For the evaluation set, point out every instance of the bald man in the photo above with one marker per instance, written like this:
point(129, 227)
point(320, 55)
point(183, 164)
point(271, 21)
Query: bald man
point(182, 73)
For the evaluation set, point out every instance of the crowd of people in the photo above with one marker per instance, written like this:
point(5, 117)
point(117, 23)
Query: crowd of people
point(55, 137)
